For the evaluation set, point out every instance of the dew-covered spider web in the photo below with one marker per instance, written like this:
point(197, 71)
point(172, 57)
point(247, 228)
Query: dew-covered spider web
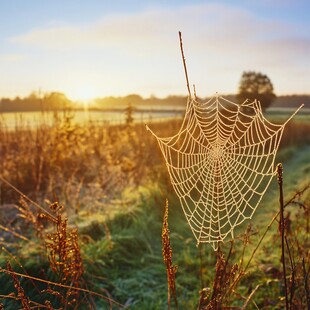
point(221, 163)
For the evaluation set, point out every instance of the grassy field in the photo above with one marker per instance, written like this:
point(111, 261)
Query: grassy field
point(81, 213)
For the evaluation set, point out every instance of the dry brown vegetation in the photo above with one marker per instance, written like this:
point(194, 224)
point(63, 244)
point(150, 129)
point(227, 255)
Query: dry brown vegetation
point(54, 265)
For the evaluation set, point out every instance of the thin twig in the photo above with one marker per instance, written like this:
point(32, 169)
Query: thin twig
point(61, 285)
point(14, 297)
point(249, 298)
point(292, 200)
point(21, 266)
point(14, 233)
point(297, 194)
point(260, 241)
point(184, 64)
point(26, 197)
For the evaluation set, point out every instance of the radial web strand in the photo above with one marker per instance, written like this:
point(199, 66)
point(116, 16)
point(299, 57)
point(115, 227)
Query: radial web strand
point(221, 163)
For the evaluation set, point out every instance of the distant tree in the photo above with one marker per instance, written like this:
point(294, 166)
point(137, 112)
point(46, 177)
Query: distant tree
point(133, 98)
point(255, 85)
point(33, 96)
point(56, 101)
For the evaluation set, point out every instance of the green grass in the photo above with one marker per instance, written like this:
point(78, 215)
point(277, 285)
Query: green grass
point(117, 200)
point(136, 249)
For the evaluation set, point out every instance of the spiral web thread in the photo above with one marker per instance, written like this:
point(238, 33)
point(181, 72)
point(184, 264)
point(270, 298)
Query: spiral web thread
point(221, 163)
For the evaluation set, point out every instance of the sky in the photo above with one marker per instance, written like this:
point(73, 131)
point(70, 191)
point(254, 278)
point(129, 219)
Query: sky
point(99, 48)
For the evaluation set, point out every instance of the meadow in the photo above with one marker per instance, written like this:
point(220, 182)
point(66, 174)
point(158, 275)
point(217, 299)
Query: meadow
point(81, 216)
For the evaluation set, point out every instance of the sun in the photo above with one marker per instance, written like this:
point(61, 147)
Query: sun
point(82, 93)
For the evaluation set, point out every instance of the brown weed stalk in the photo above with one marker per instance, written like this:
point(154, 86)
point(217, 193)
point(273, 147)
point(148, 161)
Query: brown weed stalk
point(227, 279)
point(64, 256)
point(64, 252)
point(20, 291)
point(225, 275)
point(282, 230)
point(167, 256)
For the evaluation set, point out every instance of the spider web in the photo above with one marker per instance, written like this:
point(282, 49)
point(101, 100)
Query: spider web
point(221, 163)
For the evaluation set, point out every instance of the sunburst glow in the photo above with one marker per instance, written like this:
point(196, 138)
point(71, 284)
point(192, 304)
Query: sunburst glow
point(83, 93)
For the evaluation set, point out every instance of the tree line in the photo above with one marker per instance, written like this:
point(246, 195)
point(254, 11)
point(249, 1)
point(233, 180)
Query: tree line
point(35, 102)
point(253, 85)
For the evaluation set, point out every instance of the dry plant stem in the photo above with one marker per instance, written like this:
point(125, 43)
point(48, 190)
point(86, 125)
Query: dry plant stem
point(14, 233)
point(225, 267)
point(194, 87)
point(306, 283)
point(37, 305)
point(201, 267)
point(260, 241)
point(280, 182)
point(293, 271)
point(272, 221)
point(291, 200)
point(167, 256)
point(296, 195)
point(184, 64)
point(21, 293)
point(249, 298)
point(61, 285)
point(26, 197)
point(218, 279)
point(21, 266)
point(242, 272)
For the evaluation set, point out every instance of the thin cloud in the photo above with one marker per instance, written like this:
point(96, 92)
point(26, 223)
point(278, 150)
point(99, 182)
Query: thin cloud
point(214, 28)
point(206, 24)
point(219, 40)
